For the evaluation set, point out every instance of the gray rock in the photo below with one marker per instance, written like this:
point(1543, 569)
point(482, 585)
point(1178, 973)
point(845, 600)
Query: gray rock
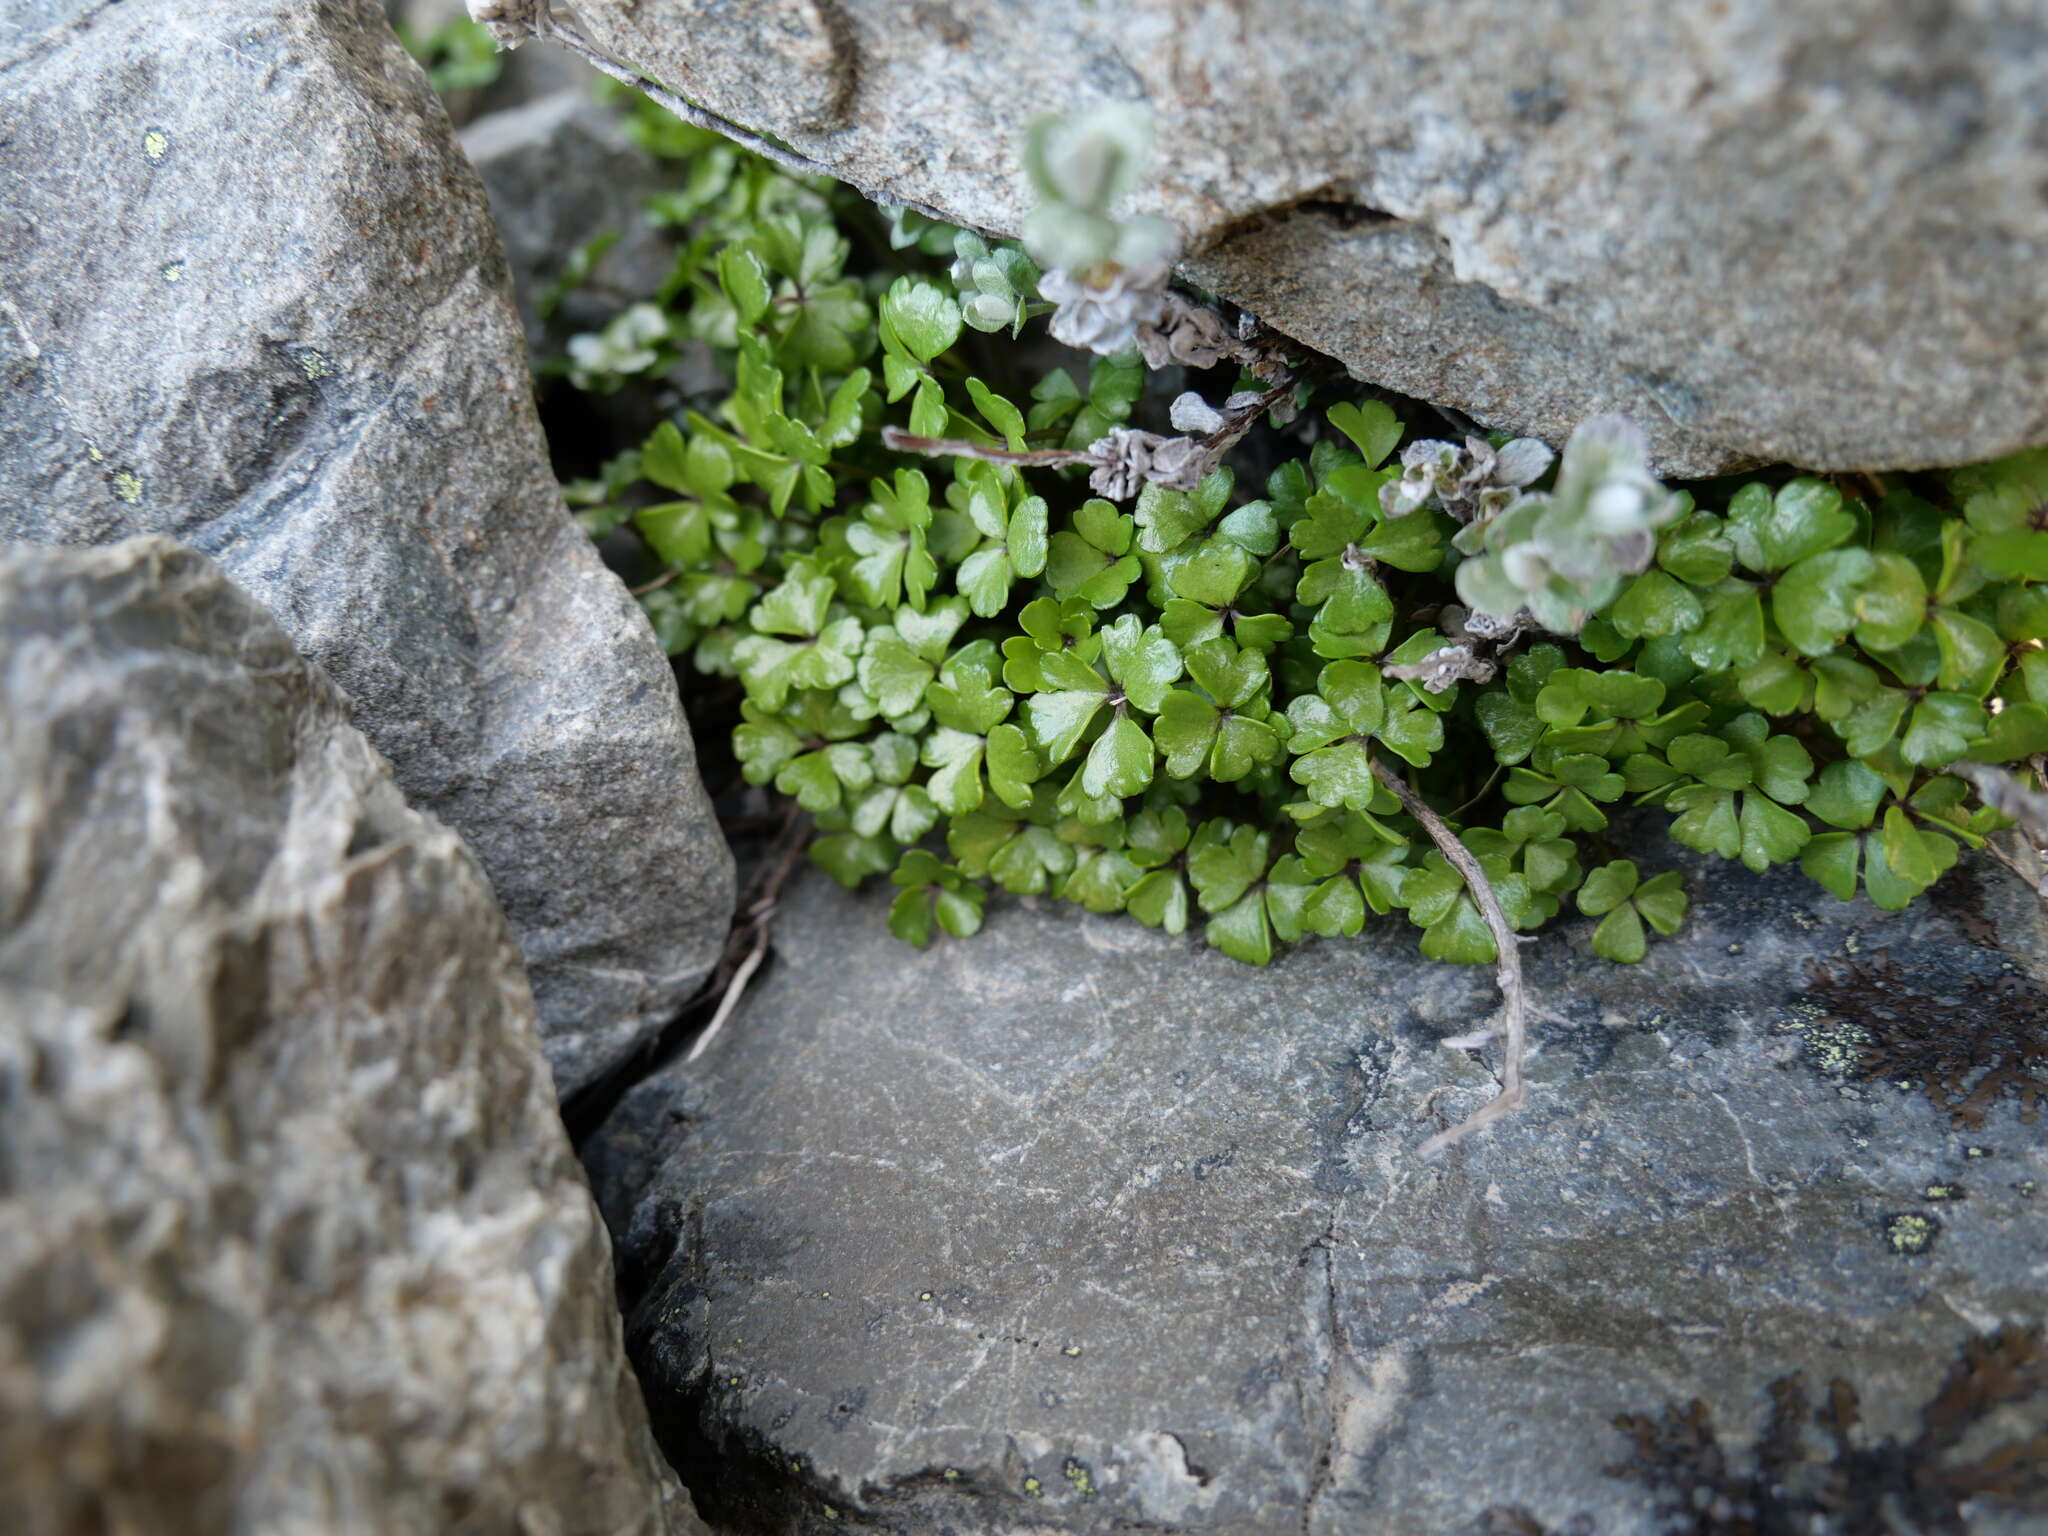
point(293, 1237)
point(1804, 230)
point(560, 172)
point(524, 74)
point(1076, 1227)
point(250, 296)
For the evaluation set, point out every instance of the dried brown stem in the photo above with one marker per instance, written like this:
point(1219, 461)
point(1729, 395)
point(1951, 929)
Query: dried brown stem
point(1097, 453)
point(898, 441)
point(655, 585)
point(736, 969)
point(1513, 1025)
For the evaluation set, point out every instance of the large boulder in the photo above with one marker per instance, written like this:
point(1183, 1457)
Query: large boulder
point(291, 1236)
point(1800, 229)
point(252, 298)
point(1076, 1227)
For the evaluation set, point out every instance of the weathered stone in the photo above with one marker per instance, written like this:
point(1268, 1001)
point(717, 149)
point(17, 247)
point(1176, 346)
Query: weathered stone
point(560, 172)
point(524, 74)
point(250, 296)
point(291, 1236)
point(1076, 1227)
point(1806, 230)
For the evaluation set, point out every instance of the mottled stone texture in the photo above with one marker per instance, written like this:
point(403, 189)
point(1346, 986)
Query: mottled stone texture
point(1076, 1227)
point(291, 1237)
point(250, 296)
point(1768, 228)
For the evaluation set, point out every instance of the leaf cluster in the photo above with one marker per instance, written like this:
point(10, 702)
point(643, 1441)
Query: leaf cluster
point(973, 674)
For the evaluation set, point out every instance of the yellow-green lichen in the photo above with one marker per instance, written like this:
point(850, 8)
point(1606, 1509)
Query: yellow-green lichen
point(1071, 1350)
point(172, 271)
point(1910, 1232)
point(127, 485)
point(925, 1295)
point(1836, 1045)
point(1945, 1192)
point(1033, 1488)
point(1077, 1474)
point(155, 145)
point(314, 365)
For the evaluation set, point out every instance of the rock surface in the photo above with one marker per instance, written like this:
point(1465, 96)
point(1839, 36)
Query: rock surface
point(250, 296)
point(560, 172)
point(1077, 1227)
point(291, 1237)
point(1810, 231)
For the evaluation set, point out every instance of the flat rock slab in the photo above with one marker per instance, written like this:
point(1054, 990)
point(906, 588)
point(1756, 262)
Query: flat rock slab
point(250, 296)
point(1077, 1227)
point(1769, 229)
point(291, 1236)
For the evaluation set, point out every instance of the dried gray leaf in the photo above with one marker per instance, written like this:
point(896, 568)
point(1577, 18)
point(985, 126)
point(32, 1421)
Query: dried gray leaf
point(1444, 667)
point(1191, 413)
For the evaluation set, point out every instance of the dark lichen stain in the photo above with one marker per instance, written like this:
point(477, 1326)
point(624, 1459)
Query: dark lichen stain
point(1960, 896)
point(1967, 1048)
point(1821, 1472)
point(1858, 1484)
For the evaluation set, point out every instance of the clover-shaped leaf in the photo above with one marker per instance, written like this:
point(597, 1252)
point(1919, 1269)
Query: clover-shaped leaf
point(1804, 517)
point(1730, 633)
point(918, 321)
point(891, 556)
point(1227, 865)
point(1440, 904)
point(1354, 614)
point(1817, 601)
point(1748, 826)
point(986, 575)
point(1624, 902)
point(1569, 693)
point(1372, 425)
point(1895, 863)
point(931, 893)
point(1093, 559)
point(1166, 518)
point(2006, 503)
point(1222, 730)
point(819, 651)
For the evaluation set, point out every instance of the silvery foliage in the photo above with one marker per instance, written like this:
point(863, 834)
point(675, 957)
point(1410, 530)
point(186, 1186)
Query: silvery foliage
point(1192, 335)
point(1472, 642)
point(993, 283)
point(1564, 552)
point(1475, 481)
point(1126, 458)
point(629, 344)
point(1107, 276)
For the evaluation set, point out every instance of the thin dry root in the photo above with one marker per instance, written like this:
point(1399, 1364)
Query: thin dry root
point(1511, 1025)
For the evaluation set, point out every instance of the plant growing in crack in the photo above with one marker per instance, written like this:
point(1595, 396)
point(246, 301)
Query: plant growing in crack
point(992, 625)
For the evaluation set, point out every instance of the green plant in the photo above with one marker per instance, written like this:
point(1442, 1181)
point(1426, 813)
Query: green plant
point(1255, 711)
point(458, 56)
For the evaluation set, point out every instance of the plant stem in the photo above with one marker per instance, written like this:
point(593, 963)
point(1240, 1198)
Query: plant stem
point(899, 441)
point(1507, 966)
